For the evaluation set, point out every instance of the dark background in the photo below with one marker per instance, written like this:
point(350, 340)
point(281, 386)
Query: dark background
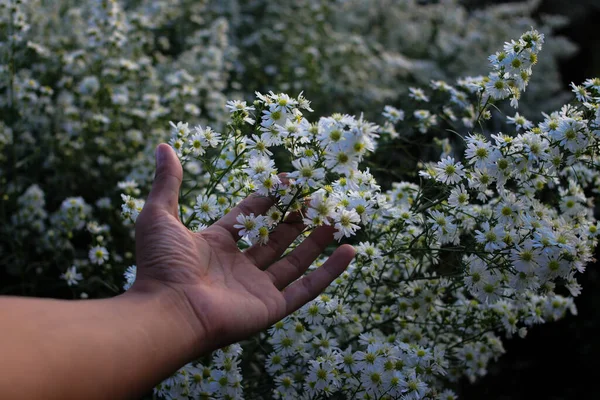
point(558, 360)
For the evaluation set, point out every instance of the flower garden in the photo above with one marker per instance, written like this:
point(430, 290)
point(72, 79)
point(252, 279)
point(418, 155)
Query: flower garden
point(435, 139)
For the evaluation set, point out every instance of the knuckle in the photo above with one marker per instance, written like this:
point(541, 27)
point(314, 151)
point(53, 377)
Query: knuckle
point(294, 261)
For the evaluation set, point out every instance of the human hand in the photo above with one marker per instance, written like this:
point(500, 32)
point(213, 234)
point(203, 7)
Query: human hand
point(228, 294)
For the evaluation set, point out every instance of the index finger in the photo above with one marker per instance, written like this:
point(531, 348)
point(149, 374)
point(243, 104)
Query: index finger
point(310, 286)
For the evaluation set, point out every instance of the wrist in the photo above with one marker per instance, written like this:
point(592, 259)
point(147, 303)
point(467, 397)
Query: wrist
point(171, 320)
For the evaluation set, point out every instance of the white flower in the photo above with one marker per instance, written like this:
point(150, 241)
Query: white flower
point(129, 186)
point(130, 274)
point(295, 129)
point(258, 146)
point(274, 115)
point(259, 166)
point(237, 105)
point(571, 134)
point(372, 380)
point(286, 387)
point(499, 59)
point(197, 143)
point(275, 363)
point(98, 255)
point(418, 94)
point(131, 207)
point(393, 114)
point(580, 92)
point(272, 135)
point(449, 171)
point(459, 197)
point(266, 183)
point(89, 85)
point(425, 120)
point(330, 132)
point(592, 83)
point(341, 160)
point(72, 276)
point(368, 250)
point(313, 313)
point(444, 225)
point(416, 387)
point(345, 223)
point(306, 172)
point(179, 130)
point(372, 357)
point(320, 377)
point(497, 87)
point(520, 121)
point(206, 207)
point(320, 209)
point(525, 257)
point(178, 145)
point(207, 137)
point(535, 146)
point(284, 344)
point(490, 237)
point(249, 225)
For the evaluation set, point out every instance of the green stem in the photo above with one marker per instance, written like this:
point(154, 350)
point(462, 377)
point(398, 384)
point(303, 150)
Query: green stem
point(223, 173)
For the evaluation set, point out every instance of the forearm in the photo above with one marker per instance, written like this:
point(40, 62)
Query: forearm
point(93, 349)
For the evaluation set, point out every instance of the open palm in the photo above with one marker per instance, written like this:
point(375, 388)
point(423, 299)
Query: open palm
point(233, 294)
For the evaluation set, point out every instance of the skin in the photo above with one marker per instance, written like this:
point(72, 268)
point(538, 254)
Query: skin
point(194, 293)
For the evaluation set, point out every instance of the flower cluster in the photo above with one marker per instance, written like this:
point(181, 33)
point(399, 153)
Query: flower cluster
point(221, 379)
point(83, 90)
point(512, 67)
point(89, 87)
point(324, 176)
point(443, 269)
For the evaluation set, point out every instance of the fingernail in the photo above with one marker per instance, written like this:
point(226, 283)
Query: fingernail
point(160, 156)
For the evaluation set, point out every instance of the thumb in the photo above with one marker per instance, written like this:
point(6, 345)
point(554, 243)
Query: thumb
point(167, 180)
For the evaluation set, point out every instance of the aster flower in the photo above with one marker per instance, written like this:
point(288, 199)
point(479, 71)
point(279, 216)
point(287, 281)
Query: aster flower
point(237, 105)
point(449, 171)
point(345, 223)
point(98, 255)
point(72, 276)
